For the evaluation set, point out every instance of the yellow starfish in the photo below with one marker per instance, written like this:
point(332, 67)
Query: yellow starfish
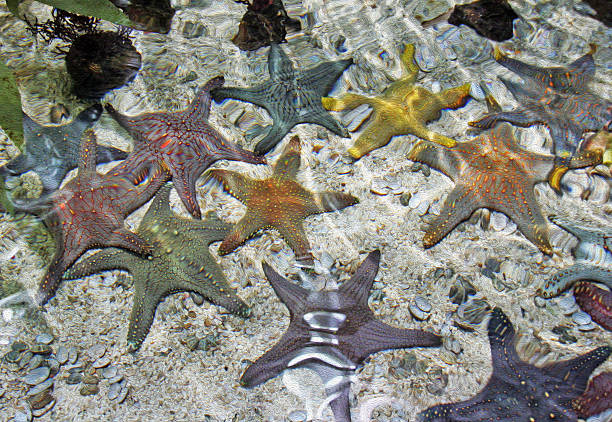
point(401, 109)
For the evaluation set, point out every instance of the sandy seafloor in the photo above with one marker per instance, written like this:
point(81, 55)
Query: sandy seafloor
point(167, 381)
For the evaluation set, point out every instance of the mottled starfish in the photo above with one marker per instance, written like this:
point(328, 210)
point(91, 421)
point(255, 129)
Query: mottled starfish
point(401, 109)
point(597, 398)
point(557, 97)
point(493, 171)
point(181, 143)
point(278, 202)
point(52, 151)
point(89, 213)
point(331, 332)
point(179, 261)
point(519, 391)
point(290, 96)
point(593, 258)
point(596, 302)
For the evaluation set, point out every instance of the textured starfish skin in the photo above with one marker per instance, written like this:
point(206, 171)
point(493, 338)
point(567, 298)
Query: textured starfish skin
point(179, 261)
point(557, 97)
point(492, 171)
point(290, 96)
point(597, 398)
point(401, 109)
point(88, 213)
point(182, 143)
point(519, 391)
point(331, 331)
point(596, 302)
point(52, 151)
point(593, 258)
point(278, 202)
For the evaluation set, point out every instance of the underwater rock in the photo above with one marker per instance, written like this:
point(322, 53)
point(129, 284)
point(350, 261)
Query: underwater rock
point(489, 18)
point(148, 15)
point(265, 22)
point(603, 9)
point(101, 61)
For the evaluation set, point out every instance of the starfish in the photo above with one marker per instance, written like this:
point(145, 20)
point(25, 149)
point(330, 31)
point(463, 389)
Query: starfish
point(182, 143)
point(401, 109)
point(593, 258)
point(332, 332)
point(291, 97)
point(88, 213)
point(597, 398)
point(179, 261)
point(596, 302)
point(52, 151)
point(557, 97)
point(278, 202)
point(492, 171)
point(519, 391)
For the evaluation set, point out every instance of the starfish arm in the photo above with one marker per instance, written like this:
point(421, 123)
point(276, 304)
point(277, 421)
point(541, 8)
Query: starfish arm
point(375, 336)
point(586, 158)
point(377, 134)
point(522, 118)
point(296, 238)
point(289, 293)
point(245, 229)
point(160, 206)
point(87, 162)
point(424, 133)
point(20, 164)
point(212, 226)
point(274, 361)
point(144, 192)
point(434, 156)
point(332, 201)
point(129, 123)
point(596, 302)
point(459, 205)
point(566, 278)
point(123, 238)
point(321, 117)
point(200, 106)
point(573, 374)
point(347, 102)
point(233, 183)
point(598, 397)
point(582, 232)
point(288, 163)
point(566, 137)
point(323, 76)
point(255, 95)
point(276, 133)
point(501, 338)
point(143, 312)
point(279, 65)
point(105, 260)
point(62, 260)
point(454, 98)
point(359, 285)
point(228, 150)
point(409, 65)
point(185, 185)
point(106, 154)
point(340, 405)
point(85, 119)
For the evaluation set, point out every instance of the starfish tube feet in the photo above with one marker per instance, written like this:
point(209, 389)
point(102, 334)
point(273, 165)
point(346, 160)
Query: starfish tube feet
point(596, 302)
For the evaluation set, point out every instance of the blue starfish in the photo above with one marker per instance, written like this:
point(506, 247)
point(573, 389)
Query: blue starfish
point(593, 258)
point(53, 151)
point(519, 391)
point(291, 97)
point(331, 332)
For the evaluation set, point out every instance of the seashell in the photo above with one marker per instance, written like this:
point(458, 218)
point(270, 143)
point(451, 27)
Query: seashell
point(425, 58)
point(498, 221)
point(355, 118)
point(470, 314)
point(40, 412)
point(420, 201)
point(113, 391)
point(568, 304)
point(44, 338)
point(41, 387)
point(379, 187)
point(515, 274)
point(460, 292)
point(581, 318)
point(37, 376)
point(96, 351)
point(575, 183)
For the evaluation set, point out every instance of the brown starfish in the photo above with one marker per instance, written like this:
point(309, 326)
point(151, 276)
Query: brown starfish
point(182, 143)
point(89, 212)
point(278, 202)
point(493, 171)
point(401, 109)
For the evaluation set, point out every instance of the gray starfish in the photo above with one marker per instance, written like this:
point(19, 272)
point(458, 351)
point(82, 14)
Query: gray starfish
point(180, 261)
point(52, 151)
point(331, 332)
point(291, 97)
point(593, 258)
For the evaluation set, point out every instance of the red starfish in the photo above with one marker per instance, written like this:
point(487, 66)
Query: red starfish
point(493, 171)
point(596, 302)
point(89, 212)
point(181, 143)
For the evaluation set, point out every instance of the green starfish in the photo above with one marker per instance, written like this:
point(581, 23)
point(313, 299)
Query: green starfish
point(180, 261)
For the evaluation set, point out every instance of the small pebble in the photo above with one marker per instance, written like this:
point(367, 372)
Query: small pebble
point(197, 298)
point(91, 379)
point(41, 349)
point(72, 355)
point(115, 379)
point(97, 351)
point(123, 394)
point(41, 387)
point(25, 359)
point(89, 389)
point(62, 355)
point(405, 199)
point(22, 417)
point(422, 303)
point(40, 400)
point(44, 338)
point(109, 372)
point(39, 412)
point(19, 346)
point(113, 391)
point(37, 375)
point(74, 378)
point(297, 416)
point(35, 362)
point(582, 318)
point(12, 356)
point(102, 362)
